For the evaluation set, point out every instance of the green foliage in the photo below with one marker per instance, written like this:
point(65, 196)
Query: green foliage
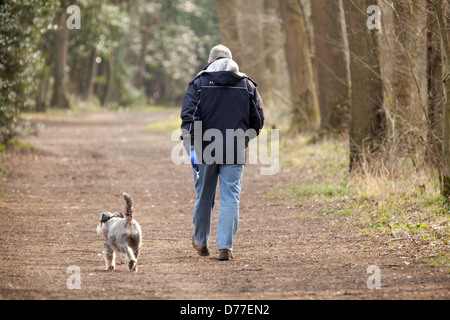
point(187, 30)
point(178, 36)
point(20, 60)
point(166, 42)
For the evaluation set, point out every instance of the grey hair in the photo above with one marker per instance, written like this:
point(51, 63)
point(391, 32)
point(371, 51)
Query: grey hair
point(220, 52)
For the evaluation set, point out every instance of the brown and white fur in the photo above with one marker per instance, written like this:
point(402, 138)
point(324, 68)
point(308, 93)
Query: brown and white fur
point(122, 234)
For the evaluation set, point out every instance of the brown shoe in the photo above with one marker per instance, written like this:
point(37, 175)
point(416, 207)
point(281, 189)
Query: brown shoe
point(225, 255)
point(202, 251)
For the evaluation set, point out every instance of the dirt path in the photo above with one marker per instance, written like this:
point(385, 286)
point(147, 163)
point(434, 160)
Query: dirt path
point(53, 195)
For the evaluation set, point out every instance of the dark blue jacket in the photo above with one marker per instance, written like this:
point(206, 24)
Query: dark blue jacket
point(222, 101)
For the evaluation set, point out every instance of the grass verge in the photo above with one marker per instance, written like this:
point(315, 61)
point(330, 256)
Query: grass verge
point(169, 125)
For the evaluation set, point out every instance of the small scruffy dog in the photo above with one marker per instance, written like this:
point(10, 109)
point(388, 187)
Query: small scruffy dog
point(122, 234)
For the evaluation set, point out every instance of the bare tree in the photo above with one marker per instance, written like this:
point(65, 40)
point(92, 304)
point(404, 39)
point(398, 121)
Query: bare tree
point(367, 117)
point(278, 91)
point(253, 53)
point(403, 49)
point(436, 94)
point(331, 64)
point(229, 26)
point(306, 113)
point(445, 34)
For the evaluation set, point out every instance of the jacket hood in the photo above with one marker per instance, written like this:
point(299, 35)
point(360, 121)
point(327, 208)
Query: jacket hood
point(223, 78)
point(223, 72)
point(224, 65)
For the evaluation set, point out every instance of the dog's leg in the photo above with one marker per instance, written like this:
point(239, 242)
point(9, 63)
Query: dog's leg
point(132, 262)
point(136, 256)
point(134, 245)
point(110, 258)
point(130, 258)
point(136, 251)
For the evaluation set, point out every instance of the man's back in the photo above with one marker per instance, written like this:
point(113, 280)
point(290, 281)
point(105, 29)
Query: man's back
point(224, 101)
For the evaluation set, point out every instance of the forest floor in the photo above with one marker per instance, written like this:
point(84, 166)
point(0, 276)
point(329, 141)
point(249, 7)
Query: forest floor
point(53, 192)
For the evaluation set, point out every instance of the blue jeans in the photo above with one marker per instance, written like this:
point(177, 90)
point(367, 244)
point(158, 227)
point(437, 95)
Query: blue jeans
point(230, 178)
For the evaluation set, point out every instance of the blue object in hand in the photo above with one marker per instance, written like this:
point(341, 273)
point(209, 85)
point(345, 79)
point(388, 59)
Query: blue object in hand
point(194, 159)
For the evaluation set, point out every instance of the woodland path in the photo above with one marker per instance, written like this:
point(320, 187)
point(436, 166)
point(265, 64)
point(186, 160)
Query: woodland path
point(52, 196)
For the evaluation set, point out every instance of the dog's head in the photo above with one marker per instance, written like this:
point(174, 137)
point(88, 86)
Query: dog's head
point(105, 217)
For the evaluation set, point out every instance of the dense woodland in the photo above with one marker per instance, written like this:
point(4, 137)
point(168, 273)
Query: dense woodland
point(324, 67)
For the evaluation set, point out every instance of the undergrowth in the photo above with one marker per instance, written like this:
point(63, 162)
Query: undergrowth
point(404, 206)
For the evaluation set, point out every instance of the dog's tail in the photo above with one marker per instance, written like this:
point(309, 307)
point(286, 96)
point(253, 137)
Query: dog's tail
point(128, 207)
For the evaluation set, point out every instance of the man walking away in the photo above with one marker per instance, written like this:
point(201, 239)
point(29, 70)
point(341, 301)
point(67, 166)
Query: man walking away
point(220, 99)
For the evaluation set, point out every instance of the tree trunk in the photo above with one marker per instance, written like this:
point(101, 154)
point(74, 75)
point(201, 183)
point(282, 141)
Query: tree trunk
point(229, 27)
point(92, 71)
point(149, 21)
point(61, 46)
point(253, 53)
point(41, 94)
point(403, 49)
point(436, 94)
point(110, 77)
point(278, 90)
point(271, 41)
point(306, 113)
point(331, 64)
point(445, 35)
point(367, 117)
